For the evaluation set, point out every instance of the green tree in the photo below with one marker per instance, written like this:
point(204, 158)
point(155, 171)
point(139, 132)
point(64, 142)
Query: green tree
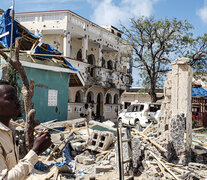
point(156, 43)
point(197, 52)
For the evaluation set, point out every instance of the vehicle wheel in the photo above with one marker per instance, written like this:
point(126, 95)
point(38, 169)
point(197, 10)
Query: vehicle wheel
point(138, 126)
point(120, 125)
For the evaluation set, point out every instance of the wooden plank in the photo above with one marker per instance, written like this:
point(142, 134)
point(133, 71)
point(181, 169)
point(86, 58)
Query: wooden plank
point(120, 156)
point(86, 123)
point(74, 76)
point(162, 170)
point(56, 174)
point(198, 129)
point(16, 124)
point(103, 153)
point(77, 129)
point(151, 141)
point(151, 128)
point(68, 127)
point(65, 141)
point(200, 143)
point(163, 164)
point(147, 128)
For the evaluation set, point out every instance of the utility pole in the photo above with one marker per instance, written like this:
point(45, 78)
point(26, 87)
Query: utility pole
point(12, 28)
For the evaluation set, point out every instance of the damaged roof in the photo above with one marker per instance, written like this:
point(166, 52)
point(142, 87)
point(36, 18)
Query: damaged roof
point(32, 45)
point(29, 41)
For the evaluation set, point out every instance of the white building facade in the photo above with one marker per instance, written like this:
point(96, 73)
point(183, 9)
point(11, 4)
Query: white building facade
point(100, 54)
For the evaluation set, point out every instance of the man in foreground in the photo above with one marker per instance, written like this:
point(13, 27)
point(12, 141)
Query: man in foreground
point(10, 167)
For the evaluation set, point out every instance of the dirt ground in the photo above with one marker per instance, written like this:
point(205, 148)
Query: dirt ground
point(113, 175)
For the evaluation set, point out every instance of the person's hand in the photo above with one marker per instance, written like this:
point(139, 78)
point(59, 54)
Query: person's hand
point(41, 143)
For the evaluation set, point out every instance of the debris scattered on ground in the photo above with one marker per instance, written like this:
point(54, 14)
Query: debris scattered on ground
point(75, 155)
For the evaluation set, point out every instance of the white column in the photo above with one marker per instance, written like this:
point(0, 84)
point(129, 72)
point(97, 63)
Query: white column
point(100, 54)
point(182, 94)
point(66, 44)
point(85, 48)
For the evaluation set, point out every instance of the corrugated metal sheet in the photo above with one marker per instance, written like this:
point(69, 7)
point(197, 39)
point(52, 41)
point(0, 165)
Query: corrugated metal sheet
point(199, 92)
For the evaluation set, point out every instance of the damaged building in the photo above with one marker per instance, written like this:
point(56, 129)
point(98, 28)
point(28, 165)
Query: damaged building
point(99, 53)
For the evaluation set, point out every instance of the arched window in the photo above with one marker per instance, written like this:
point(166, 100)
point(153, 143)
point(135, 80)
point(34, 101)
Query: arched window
point(90, 97)
point(116, 99)
point(110, 65)
point(91, 59)
point(79, 97)
point(108, 99)
point(79, 55)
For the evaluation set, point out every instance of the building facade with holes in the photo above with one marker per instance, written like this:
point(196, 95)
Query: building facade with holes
point(99, 53)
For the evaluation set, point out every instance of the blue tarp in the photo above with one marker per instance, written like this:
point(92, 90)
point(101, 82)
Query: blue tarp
point(199, 92)
point(5, 26)
point(66, 165)
point(45, 48)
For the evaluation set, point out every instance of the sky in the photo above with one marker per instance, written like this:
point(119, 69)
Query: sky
point(116, 12)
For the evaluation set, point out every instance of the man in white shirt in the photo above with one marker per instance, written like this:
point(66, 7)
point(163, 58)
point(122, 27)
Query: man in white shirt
point(10, 166)
point(88, 113)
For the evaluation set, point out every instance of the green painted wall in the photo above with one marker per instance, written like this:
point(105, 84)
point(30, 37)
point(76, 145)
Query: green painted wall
point(45, 80)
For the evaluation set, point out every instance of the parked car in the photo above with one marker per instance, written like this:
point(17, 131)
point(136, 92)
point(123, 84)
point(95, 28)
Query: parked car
point(140, 115)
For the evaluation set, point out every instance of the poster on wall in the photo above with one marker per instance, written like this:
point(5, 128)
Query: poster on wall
point(69, 108)
point(52, 97)
point(78, 109)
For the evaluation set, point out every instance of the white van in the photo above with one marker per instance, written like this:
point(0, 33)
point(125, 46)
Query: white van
point(140, 114)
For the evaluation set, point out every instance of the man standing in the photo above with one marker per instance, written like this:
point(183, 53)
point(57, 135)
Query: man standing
point(88, 112)
point(10, 167)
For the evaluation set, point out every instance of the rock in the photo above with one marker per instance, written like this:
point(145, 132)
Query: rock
point(77, 146)
point(80, 159)
point(109, 123)
point(105, 162)
point(112, 160)
point(99, 169)
point(88, 161)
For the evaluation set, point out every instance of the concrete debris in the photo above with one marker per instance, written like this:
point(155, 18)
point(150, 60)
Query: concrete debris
point(105, 168)
point(100, 141)
point(97, 154)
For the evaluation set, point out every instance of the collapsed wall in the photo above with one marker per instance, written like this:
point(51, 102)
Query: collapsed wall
point(176, 119)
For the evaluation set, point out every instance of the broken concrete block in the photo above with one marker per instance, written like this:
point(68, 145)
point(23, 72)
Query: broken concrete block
point(77, 146)
point(109, 123)
point(80, 159)
point(99, 169)
point(88, 161)
point(197, 166)
point(100, 140)
point(106, 162)
point(113, 160)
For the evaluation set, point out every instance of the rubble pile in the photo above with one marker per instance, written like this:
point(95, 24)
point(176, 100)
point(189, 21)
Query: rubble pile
point(88, 155)
point(76, 155)
point(165, 165)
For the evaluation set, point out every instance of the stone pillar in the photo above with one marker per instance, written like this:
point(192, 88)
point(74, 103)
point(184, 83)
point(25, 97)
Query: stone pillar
point(181, 95)
point(66, 44)
point(85, 48)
